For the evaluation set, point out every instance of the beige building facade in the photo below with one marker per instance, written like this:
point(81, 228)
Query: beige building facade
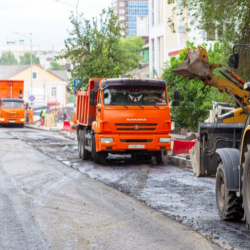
point(48, 87)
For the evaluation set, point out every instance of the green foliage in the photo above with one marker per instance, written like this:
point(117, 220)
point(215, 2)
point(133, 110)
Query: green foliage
point(26, 59)
point(133, 48)
point(227, 21)
point(71, 98)
point(195, 96)
point(96, 50)
point(7, 58)
point(55, 66)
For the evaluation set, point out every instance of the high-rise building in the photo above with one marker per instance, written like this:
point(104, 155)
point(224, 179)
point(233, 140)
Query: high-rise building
point(135, 15)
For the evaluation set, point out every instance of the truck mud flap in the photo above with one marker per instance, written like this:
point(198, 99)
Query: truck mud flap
point(212, 136)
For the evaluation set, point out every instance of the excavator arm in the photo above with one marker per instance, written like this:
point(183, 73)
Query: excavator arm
point(196, 65)
point(227, 132)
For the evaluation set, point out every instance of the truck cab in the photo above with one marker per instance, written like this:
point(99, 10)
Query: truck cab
point(12, 111)
point(123, 116)
point(12, 108)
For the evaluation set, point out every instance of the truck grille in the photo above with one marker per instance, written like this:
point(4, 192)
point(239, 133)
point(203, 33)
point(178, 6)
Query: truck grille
point(136, 126)
point(12, 117)
point(136, 140)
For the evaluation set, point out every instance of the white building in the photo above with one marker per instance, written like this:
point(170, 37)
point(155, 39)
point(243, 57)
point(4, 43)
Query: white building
point(48, 87)
point(45, 53)
point(167, 39)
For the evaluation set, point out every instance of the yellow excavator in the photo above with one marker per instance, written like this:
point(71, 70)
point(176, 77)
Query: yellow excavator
point(223, 148)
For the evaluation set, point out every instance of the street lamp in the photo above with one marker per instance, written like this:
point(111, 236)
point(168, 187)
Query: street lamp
point(76, 6)
point(30, 37)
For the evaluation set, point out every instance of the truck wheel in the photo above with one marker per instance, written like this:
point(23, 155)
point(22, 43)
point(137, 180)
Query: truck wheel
point(159, 157)
point(228, 204)
point(85, 153)
point(80, 143)
point(98, 157)
point(246, 186)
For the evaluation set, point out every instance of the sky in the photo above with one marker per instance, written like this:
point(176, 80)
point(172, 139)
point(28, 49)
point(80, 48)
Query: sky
point(47, 20)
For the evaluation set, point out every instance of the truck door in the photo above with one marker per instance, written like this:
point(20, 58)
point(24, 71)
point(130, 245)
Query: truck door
point(98, 106)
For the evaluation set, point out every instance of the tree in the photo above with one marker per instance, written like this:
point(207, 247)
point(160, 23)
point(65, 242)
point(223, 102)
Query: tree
point(228, 20)
point(25, 59)
point(96, 50)
point(7, 58)
point(133, 48)
point(195, 96)
point(55, 66)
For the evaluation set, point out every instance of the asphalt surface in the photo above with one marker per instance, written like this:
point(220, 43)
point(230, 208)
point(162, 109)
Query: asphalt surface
point(170, 190)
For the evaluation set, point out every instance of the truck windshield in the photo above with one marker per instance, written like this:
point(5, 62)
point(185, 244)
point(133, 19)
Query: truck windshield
point(11, 104)
point(133, 96)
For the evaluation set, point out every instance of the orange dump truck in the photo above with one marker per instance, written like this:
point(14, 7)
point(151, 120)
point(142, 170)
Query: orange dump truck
point(123, 116)
point(12, 110)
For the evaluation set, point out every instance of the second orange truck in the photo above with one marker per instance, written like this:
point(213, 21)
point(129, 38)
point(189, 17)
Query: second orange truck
point(12, 110)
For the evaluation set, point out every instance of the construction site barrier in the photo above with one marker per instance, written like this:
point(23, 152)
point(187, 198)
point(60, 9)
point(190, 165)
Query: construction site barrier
point(66, 126)
point(182, 147)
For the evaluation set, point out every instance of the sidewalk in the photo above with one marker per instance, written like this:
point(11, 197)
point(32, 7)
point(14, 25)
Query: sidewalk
point(58, 127)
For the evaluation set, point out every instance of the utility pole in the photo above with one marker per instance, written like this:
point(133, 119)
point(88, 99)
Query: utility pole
point(44, 76)
point(76, 6)
point(30, 37)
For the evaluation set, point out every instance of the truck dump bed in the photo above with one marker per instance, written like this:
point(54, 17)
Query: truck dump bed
point(11, 89)
point(85, 114)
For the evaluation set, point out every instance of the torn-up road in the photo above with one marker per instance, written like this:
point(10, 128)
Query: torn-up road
point(48, 201)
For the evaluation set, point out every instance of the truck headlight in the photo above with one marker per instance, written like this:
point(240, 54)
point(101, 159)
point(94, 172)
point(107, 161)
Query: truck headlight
point(2, 119)
point(106, 140)
point(165, 139)
point(22, 120)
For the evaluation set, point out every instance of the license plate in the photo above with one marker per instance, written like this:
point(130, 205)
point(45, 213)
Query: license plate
point(12, 122)
point(136, 146)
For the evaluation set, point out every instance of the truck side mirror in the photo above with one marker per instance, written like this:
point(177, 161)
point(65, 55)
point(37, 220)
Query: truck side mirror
point(93, 101)
point(176, 95)
point(233, 61)
point(175, 102)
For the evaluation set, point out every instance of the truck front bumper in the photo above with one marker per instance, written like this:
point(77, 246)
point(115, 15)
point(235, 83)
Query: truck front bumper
point(133, 142)
point(12, 121)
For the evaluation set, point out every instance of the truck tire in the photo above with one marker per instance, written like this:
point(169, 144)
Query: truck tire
point(246, 186)
point(98, 157)
point(85, 153)
point(228, 204)
point(80, 143)
point(159, 157)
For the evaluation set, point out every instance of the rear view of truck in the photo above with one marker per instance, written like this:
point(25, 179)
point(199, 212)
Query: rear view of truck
point(12, 110)
point(123, 116)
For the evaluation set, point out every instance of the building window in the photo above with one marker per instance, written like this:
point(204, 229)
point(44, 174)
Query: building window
point(34, 75)
point(122, 4)
point(122, 11)
point(121, 18)
point(53, 92)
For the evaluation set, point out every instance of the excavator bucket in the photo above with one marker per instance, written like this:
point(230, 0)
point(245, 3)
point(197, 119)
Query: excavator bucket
point(194, 153)
point(195, 64)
